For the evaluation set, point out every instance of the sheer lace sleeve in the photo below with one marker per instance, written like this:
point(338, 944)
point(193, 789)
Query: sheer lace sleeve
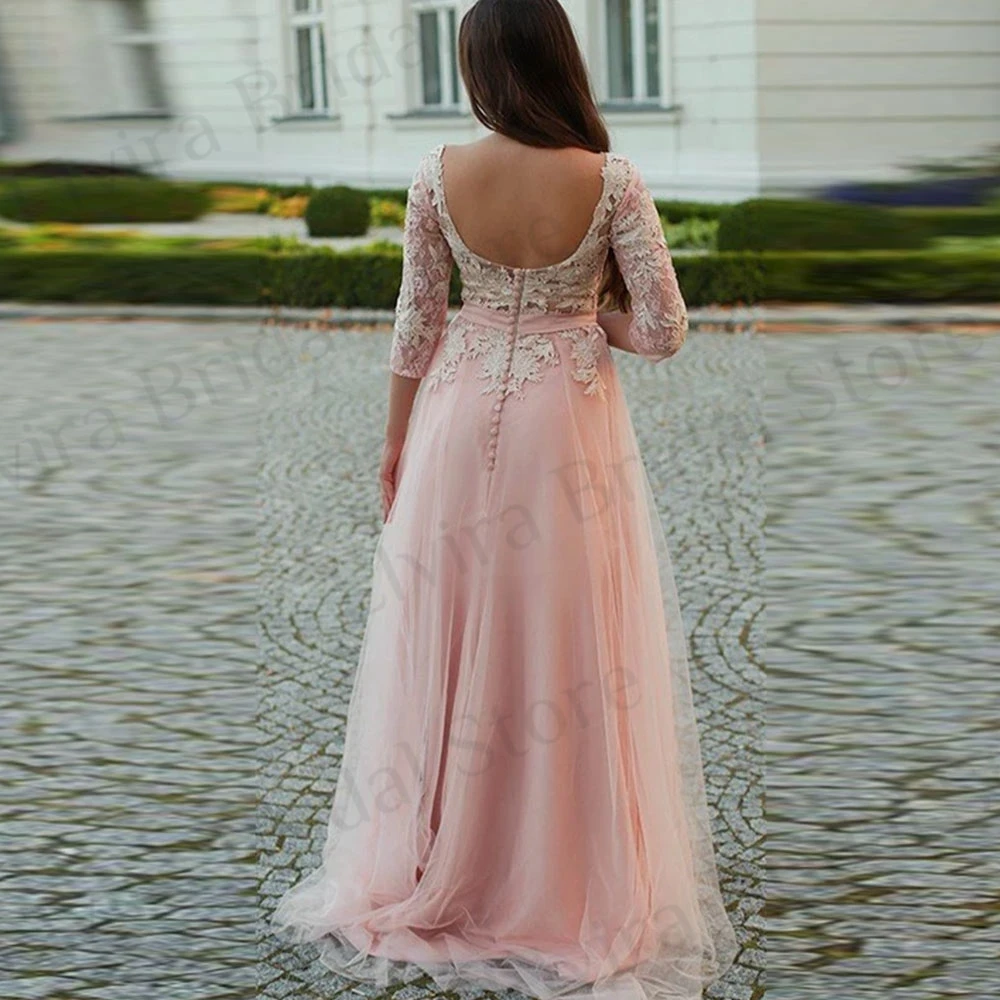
point(659, 316)
point(422, 305)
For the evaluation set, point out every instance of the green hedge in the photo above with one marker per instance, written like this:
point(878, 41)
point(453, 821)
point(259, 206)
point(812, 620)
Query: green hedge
point(69, 168)
point(369, 277)
point(974, 223)
point(763, 224)
point(316, 278)
point(678, 211)
point(881, 276)
point(202, 277)
point(102, 199)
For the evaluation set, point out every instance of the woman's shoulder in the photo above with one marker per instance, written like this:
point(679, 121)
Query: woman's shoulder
point(623, 164)
point(425, 173)
point(428, 158)
point(623, 174)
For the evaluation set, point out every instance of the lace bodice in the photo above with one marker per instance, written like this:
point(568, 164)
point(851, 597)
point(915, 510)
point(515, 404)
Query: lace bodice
point(625, 223)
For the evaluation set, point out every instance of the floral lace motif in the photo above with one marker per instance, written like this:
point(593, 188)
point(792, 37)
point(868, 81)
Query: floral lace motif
point(659, 316)
point(625, 222)
point(569, 286)
point(587, 347)
point(422, 306)
point(506, 368)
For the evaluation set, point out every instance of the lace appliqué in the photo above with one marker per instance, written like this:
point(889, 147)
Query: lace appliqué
point(422, 305)
point(453, 350)
point(625, 222)
point(659, 315)
point(506, 372)
point(504, 369)
point(532, 353)
point(587, 347)
point(569, 286)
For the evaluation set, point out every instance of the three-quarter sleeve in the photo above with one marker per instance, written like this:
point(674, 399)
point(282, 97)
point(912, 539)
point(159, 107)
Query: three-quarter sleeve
point(422, 305)
point(659, 320)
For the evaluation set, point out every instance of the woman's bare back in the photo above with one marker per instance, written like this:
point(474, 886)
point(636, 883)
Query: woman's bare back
point(518, 205)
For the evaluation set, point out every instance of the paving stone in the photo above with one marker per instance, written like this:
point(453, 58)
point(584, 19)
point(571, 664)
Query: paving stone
point(127, 624)
point(883, 736)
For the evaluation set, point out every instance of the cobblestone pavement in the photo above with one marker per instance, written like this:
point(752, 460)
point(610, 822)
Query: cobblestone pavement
point(882, 586)
point(699, 427)
point(130, 753)
point(128, 638)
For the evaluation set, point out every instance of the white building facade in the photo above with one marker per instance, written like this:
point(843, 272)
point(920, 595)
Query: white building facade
point(714, 99)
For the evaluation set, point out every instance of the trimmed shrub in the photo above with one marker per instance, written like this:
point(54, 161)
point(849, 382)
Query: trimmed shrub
point(774, 224)
point(881, 276)
point(721, 278)
point(338, 211)
point(99, 199)
point(678, 211)
point(369, 276)
point(972, 223)
point(192, 277)
point(69, 168)
point(366, 277)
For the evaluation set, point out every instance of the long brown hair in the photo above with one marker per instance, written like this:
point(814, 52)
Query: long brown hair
point(526, 79)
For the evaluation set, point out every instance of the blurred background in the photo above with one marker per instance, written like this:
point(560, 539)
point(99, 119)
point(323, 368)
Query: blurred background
point(201, 214)
point(881, 120)
point(716, 100)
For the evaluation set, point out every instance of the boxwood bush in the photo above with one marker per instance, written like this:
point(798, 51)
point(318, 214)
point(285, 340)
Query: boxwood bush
point(101, 199)
point(779, 224)
point(338, 211)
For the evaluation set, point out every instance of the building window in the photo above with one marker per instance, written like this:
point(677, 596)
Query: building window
point(633, 29)
point(131, 75)
point(309, 57)
point(437, 28)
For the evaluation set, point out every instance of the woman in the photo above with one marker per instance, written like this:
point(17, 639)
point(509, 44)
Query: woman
point(520, 802)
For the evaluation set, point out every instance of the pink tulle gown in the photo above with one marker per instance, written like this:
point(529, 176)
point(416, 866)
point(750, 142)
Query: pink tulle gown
point(520, 803)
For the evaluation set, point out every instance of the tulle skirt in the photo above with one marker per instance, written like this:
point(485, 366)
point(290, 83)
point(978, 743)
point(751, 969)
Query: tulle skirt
point(520, 802)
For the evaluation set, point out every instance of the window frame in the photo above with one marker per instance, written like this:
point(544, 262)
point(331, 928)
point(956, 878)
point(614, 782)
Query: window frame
point(313, 20)
point(449, 78)
point(119, 80)
point(640, 70)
